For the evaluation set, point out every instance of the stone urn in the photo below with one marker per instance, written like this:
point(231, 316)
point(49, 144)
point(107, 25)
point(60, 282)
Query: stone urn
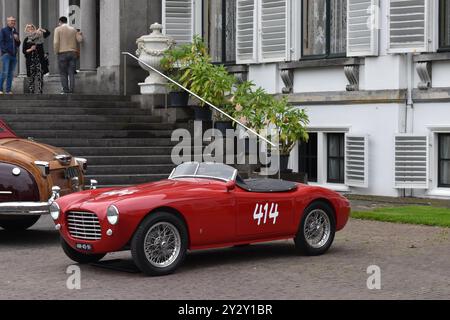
point(151, 49)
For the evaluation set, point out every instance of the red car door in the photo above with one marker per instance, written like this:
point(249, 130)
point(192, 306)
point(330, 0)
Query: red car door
point(263, 214)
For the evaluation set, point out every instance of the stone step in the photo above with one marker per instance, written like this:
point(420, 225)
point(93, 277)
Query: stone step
point(105, 125)
point(72, 111)
point(94, 134)
point(121, 151)
point(64, 97)
point(96, 170)
point(126, 180)
point(68, 104)
point(62, 118)
point(128, 160)
point(111, 143)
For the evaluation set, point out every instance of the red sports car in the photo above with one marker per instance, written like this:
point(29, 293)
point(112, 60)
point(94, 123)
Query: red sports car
point(200, 206)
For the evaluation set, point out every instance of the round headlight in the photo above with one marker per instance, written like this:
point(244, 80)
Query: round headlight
point(113, 215)
point(55, 211)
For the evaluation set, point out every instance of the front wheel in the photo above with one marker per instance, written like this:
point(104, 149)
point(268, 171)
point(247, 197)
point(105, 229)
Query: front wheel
point(317, 230)
point(82, 258)
point(160, 244)
point(18, 223)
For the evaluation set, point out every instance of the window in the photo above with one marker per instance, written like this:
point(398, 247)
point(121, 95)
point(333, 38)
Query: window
point(324, 28)
point(220, 27)
point(307, 155)
point(335, 157)
point(444, 25)
point(444, 160)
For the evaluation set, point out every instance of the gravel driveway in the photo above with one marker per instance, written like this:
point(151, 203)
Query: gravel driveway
point(414, 262)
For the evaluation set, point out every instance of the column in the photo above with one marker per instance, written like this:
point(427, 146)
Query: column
point(52, 9)
point(88, 54)
point(27, 14)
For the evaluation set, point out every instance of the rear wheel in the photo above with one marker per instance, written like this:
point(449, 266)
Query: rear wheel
point(317, 230)
point(18, 223)
point(82, 258)
point(160, 244)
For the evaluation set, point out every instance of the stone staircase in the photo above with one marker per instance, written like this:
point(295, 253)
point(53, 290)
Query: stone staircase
point(123, 144)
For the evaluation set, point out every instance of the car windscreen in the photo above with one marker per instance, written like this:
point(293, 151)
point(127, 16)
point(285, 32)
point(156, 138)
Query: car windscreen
point(204, 170)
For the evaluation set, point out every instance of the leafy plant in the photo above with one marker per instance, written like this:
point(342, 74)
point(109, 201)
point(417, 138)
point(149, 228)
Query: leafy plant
point(290, 122)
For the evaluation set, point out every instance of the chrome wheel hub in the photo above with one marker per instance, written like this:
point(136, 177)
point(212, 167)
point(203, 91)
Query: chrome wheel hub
point(317, 228)
point(162, 244)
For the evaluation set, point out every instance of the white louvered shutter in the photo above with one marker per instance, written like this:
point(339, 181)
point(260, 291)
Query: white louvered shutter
point(411, 162)
point(246, 31)
point(357, 161)
point(362, 27)
point(273, 30)
point(178, 20)
point(408, 26)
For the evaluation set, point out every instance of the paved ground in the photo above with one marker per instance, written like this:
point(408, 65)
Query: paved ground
point(414, 262)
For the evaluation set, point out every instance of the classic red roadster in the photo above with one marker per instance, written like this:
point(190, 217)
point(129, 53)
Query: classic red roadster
point(200, 206)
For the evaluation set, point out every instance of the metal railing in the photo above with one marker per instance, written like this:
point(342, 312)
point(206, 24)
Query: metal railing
point(125, 54)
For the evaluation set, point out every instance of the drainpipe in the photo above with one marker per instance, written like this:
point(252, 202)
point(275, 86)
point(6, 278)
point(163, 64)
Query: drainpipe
point(409, 108)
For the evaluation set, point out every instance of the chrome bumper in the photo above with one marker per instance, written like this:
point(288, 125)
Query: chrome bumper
point(29, 208)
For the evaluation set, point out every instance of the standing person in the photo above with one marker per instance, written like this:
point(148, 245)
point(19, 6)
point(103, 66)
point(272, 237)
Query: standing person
point(9, 44)
point(65, 44)
point(37, 64)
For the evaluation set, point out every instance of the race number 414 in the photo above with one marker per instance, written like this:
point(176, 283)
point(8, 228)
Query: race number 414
point(266, 213)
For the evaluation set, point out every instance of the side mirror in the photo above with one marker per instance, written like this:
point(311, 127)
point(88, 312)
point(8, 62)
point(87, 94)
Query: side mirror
point(231, 185)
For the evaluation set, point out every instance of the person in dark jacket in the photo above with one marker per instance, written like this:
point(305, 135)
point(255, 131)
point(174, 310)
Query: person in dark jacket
point(9, 44)
point(36, 60)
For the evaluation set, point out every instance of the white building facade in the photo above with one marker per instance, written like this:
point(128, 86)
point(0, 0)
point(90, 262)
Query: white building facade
point(374, 76)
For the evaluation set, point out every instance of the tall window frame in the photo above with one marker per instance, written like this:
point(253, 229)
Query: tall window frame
point(444, 26)
point(338, 157)
point(443, 160)
point(328, 54)
point(308, 157)
point(226, 51)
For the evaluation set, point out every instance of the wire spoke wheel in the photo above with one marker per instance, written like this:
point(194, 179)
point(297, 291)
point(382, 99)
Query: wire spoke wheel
point(317, 229)
point(162, 244)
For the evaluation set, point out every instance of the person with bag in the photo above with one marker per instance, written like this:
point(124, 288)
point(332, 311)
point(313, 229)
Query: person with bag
point(36, 59)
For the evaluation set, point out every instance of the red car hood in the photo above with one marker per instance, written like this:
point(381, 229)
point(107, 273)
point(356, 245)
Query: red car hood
point(111, 196)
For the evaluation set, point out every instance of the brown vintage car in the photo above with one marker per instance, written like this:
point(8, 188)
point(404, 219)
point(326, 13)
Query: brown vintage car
point(32, 176)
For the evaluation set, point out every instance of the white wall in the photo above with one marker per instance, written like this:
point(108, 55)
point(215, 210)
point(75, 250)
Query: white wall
point(429, 120)
point(379, 122)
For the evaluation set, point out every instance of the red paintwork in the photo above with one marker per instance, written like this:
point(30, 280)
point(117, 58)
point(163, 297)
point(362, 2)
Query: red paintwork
point(5, 131)
point(215, 217)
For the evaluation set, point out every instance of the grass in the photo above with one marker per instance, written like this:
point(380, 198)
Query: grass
point(423, 215)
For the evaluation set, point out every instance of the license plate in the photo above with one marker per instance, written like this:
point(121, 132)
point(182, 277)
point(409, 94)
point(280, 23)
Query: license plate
point(84, 247)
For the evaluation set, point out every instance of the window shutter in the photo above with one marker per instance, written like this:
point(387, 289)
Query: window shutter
point(246, 31)
point(362, 27)
point(273, 30)
point(178, 20)
point(411, 162)
point(357, 161)
point(408, 26)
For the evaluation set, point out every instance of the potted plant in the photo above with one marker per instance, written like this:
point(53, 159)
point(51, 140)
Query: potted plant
point(170, 63)
point(290, 123)
point(210, 82)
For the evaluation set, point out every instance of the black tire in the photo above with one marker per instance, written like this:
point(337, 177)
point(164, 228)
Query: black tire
point(18, 223)
point(301, 244)
point(139, 239)
point(81, 258)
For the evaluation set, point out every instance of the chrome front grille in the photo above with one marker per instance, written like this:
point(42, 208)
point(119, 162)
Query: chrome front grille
point(84, 225)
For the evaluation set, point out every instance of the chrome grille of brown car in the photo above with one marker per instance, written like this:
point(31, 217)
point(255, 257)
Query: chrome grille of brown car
point(84, 225)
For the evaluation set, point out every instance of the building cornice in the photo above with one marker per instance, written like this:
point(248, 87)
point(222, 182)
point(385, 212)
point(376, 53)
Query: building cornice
point(346, 97)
